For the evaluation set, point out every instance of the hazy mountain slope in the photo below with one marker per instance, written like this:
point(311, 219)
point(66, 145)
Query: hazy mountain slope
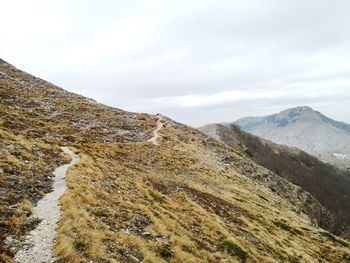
point(328, 184)
point(35, 118)
point(190, 199)
point(305, 129)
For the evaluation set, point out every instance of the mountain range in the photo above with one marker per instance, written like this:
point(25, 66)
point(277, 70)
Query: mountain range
point(143, 188)
point(306, 129)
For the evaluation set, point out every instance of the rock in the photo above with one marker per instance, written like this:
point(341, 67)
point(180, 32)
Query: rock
point(146, 235)
point(126, 231)
point(8, 241)
point(113, 228)
point(163, 240)
point(135, 259)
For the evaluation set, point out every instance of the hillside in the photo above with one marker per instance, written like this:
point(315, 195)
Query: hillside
point(306, 129)
point(146, 188)
point(325, 182)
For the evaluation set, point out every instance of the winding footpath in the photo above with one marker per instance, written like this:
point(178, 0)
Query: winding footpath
point(38, 245)
point(155, 137)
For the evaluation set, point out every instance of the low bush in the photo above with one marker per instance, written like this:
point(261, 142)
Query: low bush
point(156, 197)
point(288, 228)
point(165, 252)
point(80, 245)
point(233, 249)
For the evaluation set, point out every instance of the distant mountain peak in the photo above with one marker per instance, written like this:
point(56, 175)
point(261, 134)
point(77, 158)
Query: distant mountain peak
point(303, 108)
point(297, 110)
point(300, 109)
point(304, 128)
point(280, 119)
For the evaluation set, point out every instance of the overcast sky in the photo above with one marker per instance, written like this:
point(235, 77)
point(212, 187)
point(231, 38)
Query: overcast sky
point(195, 61)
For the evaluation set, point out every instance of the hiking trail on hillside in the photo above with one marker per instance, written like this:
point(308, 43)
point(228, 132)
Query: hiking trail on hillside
point(38, 244)
point(155, 137)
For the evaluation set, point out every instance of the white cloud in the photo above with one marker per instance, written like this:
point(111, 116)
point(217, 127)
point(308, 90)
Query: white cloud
point(189, 101)
point(26, 22)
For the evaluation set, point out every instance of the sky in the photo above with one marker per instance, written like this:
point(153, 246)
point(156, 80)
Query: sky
point(197, 62)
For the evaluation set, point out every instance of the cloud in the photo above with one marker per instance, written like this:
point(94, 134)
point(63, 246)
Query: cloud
point(190, 101)
point(196, 61)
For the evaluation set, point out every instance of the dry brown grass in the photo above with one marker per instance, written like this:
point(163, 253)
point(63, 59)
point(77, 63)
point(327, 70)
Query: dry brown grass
point(5, 258)
point(329, 185)
point(24, 168)
point(117, 192)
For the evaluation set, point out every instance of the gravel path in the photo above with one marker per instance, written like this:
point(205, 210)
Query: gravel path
point(37, 247)
point(155, 137)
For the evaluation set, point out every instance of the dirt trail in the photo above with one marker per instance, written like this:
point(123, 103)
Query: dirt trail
point(37, 247)
point(155, 137)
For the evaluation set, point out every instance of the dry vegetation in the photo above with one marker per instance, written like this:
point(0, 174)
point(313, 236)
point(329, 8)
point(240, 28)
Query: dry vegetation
point(25, 167)
point(36, 118)
point(191, 199)
point(325, 182)
point(176, 203)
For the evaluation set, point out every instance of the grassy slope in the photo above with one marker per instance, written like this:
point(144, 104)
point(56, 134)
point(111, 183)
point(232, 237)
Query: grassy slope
point(36, 118)
point(186, 201)
point(191, 199)
point(328, 184)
